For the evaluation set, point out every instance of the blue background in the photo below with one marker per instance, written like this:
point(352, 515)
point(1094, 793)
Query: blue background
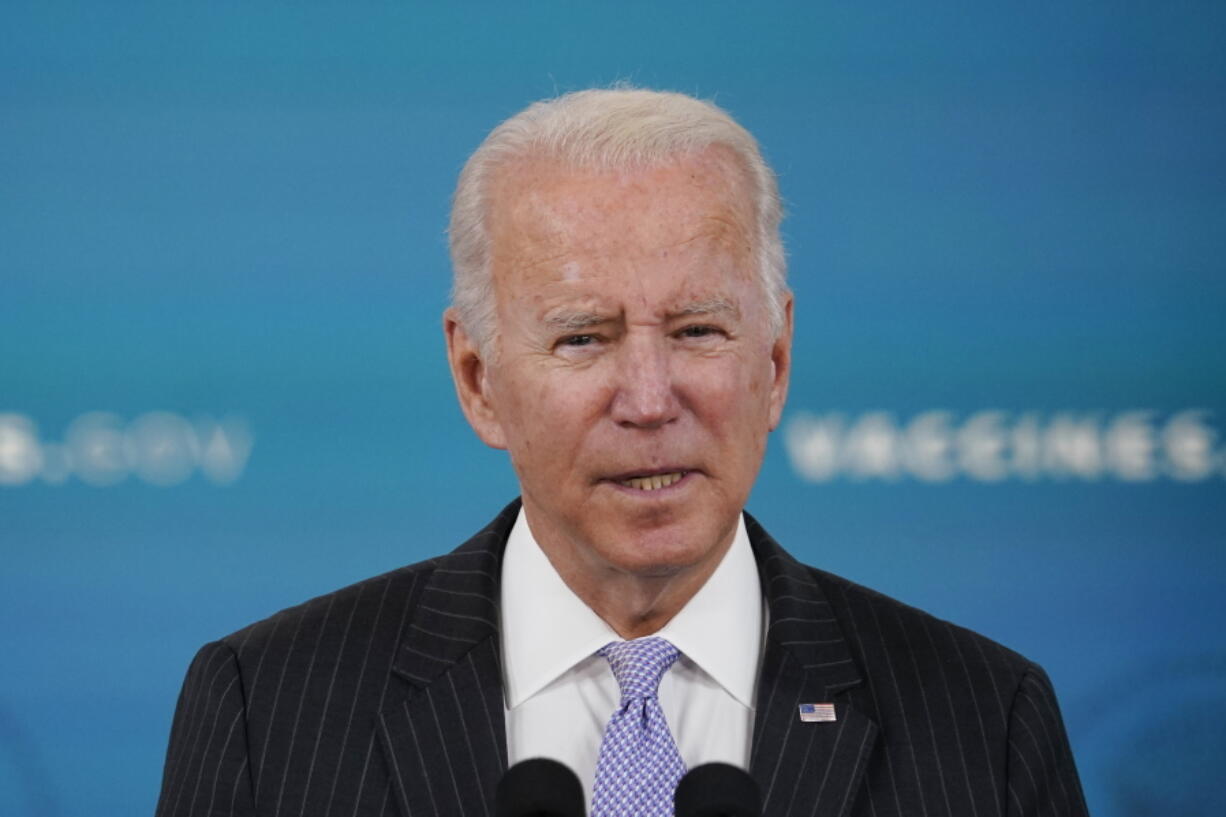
point(237, 210)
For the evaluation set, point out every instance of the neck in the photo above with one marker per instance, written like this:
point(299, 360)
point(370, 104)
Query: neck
point(634, 604)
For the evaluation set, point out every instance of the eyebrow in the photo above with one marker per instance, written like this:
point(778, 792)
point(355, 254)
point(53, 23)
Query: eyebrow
point(578, 321)
point(574, 321)
point(715, 306)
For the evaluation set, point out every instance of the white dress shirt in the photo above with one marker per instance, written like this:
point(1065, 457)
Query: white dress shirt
point(560, 695)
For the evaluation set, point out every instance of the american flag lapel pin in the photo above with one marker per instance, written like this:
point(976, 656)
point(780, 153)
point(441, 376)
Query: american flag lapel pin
point(817, 713)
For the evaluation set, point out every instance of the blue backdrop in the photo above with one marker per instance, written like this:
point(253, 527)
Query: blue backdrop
point(222, 265)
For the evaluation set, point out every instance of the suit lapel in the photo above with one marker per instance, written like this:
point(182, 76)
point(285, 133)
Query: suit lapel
point(804, 767)
point(445, 738)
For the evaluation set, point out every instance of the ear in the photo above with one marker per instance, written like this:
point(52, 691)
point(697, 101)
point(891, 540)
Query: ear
point(470, 373)
point(781, 361)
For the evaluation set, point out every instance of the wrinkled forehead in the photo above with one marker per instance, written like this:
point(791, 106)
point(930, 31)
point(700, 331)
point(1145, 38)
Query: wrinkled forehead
point(540, 208)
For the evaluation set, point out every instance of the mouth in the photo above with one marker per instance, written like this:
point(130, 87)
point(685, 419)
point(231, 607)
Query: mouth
point(651, 482)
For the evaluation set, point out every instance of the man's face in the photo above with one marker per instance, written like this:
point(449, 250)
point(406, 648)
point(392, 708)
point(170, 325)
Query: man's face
point(636, 375)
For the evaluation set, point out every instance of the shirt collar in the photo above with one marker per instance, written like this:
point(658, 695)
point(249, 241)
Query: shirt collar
point(720, 628)
point(547, 629)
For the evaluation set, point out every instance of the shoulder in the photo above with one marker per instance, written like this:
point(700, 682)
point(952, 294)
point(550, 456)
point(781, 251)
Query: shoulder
point(927, 681)
point(377, 608)
point(895, 644)
point(880, 622)
point(936, 692)
point(364, 602)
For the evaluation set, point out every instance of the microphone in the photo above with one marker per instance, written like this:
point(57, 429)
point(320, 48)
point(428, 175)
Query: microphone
point(539, 787)
point(717, 790)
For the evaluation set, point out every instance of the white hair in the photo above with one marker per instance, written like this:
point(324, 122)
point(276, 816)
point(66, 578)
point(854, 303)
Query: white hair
point(605, 129)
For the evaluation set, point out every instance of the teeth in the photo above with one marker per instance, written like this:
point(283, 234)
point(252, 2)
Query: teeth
point(653, 483)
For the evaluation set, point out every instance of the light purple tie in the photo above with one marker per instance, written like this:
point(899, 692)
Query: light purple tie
point(639, 765)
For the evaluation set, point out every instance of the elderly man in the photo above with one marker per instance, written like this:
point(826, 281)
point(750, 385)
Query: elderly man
point(622, 327)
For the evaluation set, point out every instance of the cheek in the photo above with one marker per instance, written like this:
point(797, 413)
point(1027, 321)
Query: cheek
point(547, 414)
point(729, 386)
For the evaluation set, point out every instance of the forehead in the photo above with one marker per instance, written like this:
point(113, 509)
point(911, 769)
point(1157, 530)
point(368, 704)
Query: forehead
point(544, 214)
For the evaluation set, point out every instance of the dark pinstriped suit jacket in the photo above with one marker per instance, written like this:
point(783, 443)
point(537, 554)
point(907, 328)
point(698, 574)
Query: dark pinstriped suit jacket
point(385, 698)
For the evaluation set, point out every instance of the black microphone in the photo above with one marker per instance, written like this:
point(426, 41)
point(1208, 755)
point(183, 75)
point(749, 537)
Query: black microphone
point(539, 787)
point(717, 790)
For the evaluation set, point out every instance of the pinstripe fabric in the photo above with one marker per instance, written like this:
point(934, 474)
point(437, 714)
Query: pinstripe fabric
point(385, 698)
point(932, 719)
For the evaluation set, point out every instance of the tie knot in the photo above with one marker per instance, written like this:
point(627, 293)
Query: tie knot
point(639, 665)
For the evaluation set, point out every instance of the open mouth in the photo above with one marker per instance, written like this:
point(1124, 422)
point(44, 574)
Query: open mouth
point(653, 482)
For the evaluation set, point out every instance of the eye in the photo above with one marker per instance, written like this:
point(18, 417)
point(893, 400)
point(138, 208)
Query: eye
point(577, 340)
point(697, 331)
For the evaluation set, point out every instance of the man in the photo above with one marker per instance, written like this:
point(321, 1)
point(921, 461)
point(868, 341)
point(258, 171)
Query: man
point(622, 327)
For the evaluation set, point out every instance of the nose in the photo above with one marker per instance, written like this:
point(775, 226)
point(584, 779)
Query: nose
point(645, 395)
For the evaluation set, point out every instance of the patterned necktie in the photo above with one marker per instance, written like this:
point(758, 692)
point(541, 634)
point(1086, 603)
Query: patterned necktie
point(639, 765)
